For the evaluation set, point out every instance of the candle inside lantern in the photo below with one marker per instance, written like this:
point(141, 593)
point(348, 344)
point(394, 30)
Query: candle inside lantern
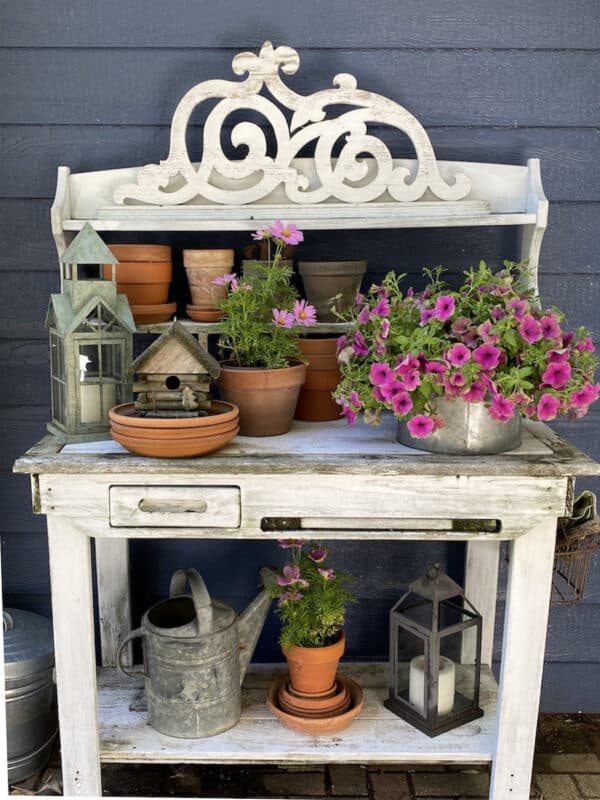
point(91, 408)
point(446, 684)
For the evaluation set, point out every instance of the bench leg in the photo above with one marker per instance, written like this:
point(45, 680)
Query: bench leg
point(481, 584)
point(525, 625)
point(75, 655)
point(114, 606)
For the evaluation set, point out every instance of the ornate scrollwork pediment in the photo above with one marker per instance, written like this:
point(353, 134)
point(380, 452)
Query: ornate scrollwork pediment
point(362, 172)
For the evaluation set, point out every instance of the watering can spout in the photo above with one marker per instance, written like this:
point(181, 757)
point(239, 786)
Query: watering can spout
point(250, 625)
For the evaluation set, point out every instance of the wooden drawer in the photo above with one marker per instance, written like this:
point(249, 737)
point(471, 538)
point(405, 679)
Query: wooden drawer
point(175, 506)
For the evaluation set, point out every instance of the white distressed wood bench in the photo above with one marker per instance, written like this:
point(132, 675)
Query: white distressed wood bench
point(325, 479)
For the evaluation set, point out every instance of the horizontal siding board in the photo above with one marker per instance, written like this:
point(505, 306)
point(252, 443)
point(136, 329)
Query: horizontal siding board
point(570, 244)
point(15, 500)
point(352, 23)
point(541, 88)
point(570, 168)
point(25, 373)
point(25, 563)
point(20, 429)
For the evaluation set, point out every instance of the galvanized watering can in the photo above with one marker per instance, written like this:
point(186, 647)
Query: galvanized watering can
point(196, 652)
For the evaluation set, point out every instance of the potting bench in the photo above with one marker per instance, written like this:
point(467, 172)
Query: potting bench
point(323, 479)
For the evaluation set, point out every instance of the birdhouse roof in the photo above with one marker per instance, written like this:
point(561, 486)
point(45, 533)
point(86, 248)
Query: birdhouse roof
point(88, 248)
point(60, 313)
point(181, 346)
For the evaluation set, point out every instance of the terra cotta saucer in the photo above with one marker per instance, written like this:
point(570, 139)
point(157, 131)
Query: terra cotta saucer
point(203, 314)
point(150, 314)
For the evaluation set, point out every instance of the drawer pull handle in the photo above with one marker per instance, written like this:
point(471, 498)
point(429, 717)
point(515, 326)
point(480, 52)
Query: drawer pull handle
point(172, 506)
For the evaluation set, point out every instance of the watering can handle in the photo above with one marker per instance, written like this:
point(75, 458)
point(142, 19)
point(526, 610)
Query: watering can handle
point(200, 596)
point(131, 635)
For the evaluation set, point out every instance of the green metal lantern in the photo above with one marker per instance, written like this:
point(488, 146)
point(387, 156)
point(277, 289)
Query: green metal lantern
point(91, 342)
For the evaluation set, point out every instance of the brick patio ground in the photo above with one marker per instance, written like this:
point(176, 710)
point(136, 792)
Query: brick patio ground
point(566, 767)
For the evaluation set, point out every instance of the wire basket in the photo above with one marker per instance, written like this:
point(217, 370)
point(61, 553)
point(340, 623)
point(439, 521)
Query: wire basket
point(575, 546)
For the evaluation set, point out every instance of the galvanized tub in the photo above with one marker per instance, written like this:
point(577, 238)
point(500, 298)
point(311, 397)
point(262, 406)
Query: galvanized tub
point(468, 430)
point(196, 651)
point(31, 718)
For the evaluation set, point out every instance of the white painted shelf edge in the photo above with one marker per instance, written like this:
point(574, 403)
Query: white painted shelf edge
point(377, 735)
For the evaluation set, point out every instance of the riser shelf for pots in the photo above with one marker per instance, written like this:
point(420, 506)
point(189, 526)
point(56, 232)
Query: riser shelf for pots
point(336, 328)
point(376, 736)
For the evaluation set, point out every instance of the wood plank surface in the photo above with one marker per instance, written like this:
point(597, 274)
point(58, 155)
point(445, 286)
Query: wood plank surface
point(471, 23)
point(376, 735)
point(496, 87)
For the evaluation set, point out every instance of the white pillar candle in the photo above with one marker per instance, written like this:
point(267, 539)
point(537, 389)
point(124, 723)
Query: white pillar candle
point(416, 685)
point(90, 407)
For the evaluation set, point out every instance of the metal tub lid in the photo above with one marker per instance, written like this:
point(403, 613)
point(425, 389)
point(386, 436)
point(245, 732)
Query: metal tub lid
point(28, 643)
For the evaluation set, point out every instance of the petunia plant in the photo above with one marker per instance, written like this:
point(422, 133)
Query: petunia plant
point(259, 316)
point(311, 595)
point(489, 341)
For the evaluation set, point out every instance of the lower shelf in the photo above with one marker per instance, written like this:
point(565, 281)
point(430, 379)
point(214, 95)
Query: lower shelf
point(376, 736)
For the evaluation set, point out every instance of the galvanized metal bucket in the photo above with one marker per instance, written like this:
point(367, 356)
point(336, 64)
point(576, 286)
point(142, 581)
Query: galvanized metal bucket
point(30, 693)
point(468, 430)
point(196, 652)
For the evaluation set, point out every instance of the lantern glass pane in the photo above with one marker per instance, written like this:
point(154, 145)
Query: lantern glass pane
point(419, 612)
point(58, 401)
point(410, 667)
point(457, 682)
point(57, 356)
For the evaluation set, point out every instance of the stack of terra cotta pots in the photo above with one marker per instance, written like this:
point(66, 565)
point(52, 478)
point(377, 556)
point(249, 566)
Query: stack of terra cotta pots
point(315, 403)
point(201, 268)
point(314, 697)
point(162, 437)
point(144, 274)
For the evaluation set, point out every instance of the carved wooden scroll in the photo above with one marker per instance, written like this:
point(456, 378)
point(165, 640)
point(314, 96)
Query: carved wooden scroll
point(348, 178)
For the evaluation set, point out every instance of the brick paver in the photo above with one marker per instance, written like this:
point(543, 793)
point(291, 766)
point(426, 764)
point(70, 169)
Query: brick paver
point(300, 784)
point(348, 780)
point(567, 762)
point(589, 785)
point(389, 786)
point(461, 784)
point(557, 787)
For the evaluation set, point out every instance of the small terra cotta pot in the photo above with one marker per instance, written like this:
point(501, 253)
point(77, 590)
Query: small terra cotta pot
point(313, 669)
point(201, 268)
point(266, 397)
point(315, 403)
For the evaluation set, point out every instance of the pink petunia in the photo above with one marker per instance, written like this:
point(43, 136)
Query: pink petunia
point(344, 356)
point(530, 329)
point(435, 367)
point(327, 574)
point(426, 315)
point(567, 338)
point(460, 326)
point(380, 373)
point(364, 315)
point(557, 374)
point(457, 379)
point(282, 318)
point(304, 313)
point(487, 356)
point(385, 328)
point(285, 544)
point(558, 355)
point(550, 327)
point(317, 554)
point(458, 355)
point(470, 337)
point(401, 404)
point(444, 307)
point(391, 389)
point(359, 345)
point(355, 400)
point(288, 234)
point(547, 407)
point(382, 309)
point(420, 426)
point(350, 414)
point(475, 393)
point(518, 307)
point(586, 395)
point(501, 409)
point(485, 331)
point(341, 342)
point(497, 313)
point(585, 345)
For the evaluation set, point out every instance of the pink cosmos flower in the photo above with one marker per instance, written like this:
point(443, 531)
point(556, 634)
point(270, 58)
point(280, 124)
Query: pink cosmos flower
point(518, 307)
point(420, 426)
point(444, 307)
point(287, 596)
point(380, 373)
point(285, 544)
point(550, 327)
point(401, 404)
point(530, 329)
point(355, 400)
point(391, 389)
point(304, 313)
point(291, 576)
point(547, 407)
point(288, 234)
point(586, 395)
point(224, 280)
point(458, 355)
point(475, 393)
point(259, 235)
point(282, 318)
point(557, 374)
point(460, 326)
point(426, 315)
point(328, 574)
point(385, 328)
point(382, 309)
point(485, 331)
point(487, 356)
point(502, 409)
point(317, 554)
point(585, 345)
point(359, 345)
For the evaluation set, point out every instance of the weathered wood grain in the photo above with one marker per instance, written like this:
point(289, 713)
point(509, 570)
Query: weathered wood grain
point(472, 23)
point(549, 90)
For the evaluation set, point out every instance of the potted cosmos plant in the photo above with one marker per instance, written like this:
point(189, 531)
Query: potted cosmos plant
point(459, 368)
point(263, 371)
point(311, 603)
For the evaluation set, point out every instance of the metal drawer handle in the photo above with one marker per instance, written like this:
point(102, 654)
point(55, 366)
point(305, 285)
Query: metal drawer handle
point(172, 506)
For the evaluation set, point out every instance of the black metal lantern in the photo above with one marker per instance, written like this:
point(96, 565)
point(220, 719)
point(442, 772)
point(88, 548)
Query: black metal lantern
point(429, 687)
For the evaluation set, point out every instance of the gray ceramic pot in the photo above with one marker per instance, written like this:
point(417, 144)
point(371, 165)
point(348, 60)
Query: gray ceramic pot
point(331, 284)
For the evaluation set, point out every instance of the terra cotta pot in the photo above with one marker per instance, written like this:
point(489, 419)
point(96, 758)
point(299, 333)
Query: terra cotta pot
point(313, 669)
point(266, 397)
point(331, 284)
point(315, 403)
point(201, 268)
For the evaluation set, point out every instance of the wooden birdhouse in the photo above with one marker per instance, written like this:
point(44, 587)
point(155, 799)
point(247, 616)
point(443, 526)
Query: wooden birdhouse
point(91, 342)
point(174, 376)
